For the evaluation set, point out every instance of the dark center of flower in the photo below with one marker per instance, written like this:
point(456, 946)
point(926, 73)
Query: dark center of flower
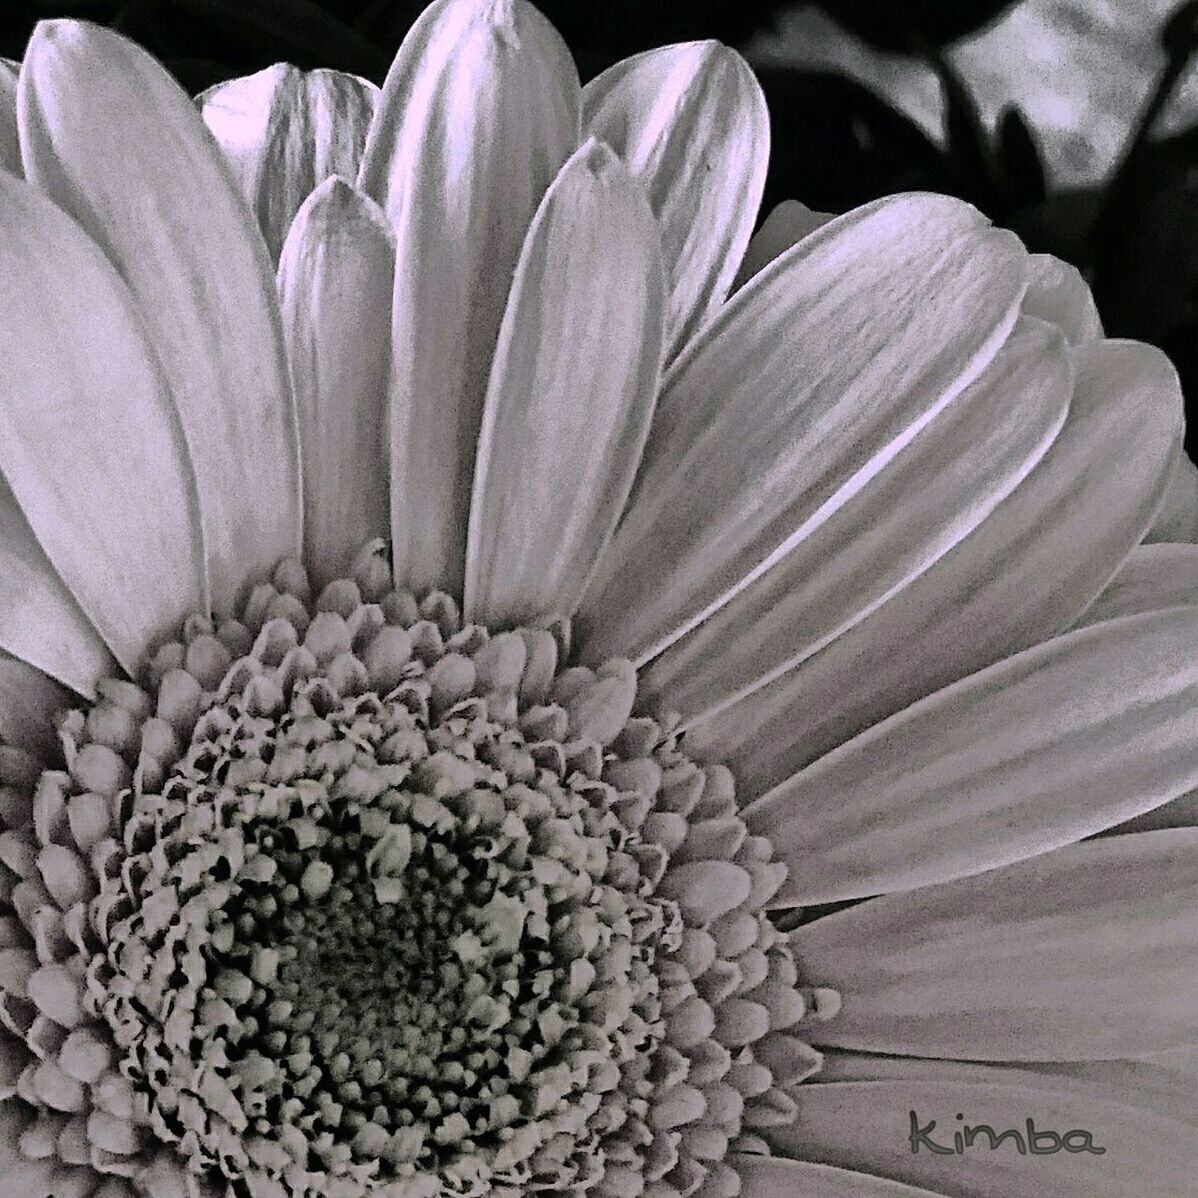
point(393, 905)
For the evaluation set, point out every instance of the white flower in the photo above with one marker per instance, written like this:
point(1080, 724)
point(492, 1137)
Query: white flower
point(406, 824)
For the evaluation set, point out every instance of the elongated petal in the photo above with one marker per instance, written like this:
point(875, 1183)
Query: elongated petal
point(478, 113)
point(773, 419)
point(40, 621)
point(335, 280)
point(1057, 293)
point(1151, 1085)
point(1177, 519)
point(1086, 953)
point(774, 1177)
point(89, 442)
point(28, 703)
point(571, 395)
point(1038, 751)
point(10, 148)
point(284, 131)
point(111, 138)
point(1152, 578)
point(691, 123)
point(933, 493)
point(787, 224)
point(868, 1126)
point(1026, 573)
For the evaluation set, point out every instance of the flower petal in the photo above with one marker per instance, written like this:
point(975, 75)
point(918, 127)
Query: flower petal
point(283, 131)
point(772, 419)
point(774, 1177)
point(20, 1178)
point(478, 113)
point(28, 703)
point(691, 123)
point(1177, 519)
point(89, 443)
point(1036, 752)
point(868, 1126)
point(40, 621)
point(335, 280)
point(1152, 578)
point(114, 140)
point(933, 493)
point(571, 395)
point(10, 148)
point(1057, 293)
point(787, 224)
point(1086, 953)
point(1024, 574)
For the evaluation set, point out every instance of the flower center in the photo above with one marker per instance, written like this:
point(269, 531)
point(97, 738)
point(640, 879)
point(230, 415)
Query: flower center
point(398, 906)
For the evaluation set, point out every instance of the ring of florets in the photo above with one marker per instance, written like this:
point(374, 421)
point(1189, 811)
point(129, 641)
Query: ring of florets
point(382, 903)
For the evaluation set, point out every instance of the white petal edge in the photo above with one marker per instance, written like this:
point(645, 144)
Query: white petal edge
point(478, 113)
point(1037, 752)
point(931, 495)
point(335, 279)
point(571, 394)
point(1153, 577)
point(1057, 293)
point(1086, 953)
point(40, 620)
point(1026, 573)
point(1177, 519)
point(93, 451)
point(284, 131)
point(786, 225)
point(770, 420)
point(691, 123)
point(113, 140)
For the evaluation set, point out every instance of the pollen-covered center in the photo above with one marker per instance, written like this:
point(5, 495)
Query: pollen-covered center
point(387, 904)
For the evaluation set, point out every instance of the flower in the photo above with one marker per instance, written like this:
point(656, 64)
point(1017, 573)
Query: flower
point(638, 686)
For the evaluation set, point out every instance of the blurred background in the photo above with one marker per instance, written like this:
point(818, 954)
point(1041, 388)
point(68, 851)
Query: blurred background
point(1075, 122)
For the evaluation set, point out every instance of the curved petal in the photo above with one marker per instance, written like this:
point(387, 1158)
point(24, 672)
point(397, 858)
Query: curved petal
point(571, 395)
point(691, 123)
point(114, 141)
point(477, 115)
point(930, 496)
point(787, 224)
point(10, 147)
point(89, 442)
point(1034, 753)
point(1056, 292)
point(284, 131)
point(1024, 574)
point(29, 701)
point(1115, 1150)
point(773, 1177)
point(1086, 953)
point(335, 280)
point(20, 1178)
point(771, 420)
point(1152, 578)
point(40, 621)
point(1177, 519)
point(1180, 813)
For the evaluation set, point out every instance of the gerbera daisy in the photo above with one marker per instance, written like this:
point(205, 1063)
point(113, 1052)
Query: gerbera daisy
point(676, 665)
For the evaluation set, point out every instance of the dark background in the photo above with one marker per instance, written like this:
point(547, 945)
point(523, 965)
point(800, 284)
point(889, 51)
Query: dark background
point(836, 143)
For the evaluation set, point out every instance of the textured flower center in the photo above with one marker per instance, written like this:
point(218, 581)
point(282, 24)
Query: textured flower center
point(379, 903)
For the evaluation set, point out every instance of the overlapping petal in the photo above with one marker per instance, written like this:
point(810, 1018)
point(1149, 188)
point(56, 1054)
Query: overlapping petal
point(1086, 953)
point(691, 123)
point(571, 395)
point(786, 225)
point(1177, 519)
point(777, 1177)
point(89, 442)
point(1057, 293)
point(771, 420)
point(1024, 574)
point(285, 131)
point(40, 621)
point(114, 141)
point(10, 148)
point(335, 280)
point(477, 114)
point(931, 495)
point(29, 701)
point(1034, 753)
point(1152, 578)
